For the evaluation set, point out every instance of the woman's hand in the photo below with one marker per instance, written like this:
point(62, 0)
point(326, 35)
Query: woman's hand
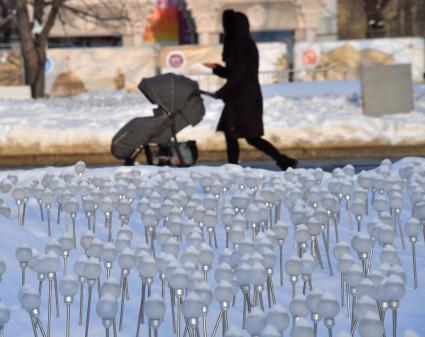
point(210, 65)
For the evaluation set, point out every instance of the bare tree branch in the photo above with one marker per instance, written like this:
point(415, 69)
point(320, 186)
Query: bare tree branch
point(92, 13)
point(7, 14)
point(54, 9)
point(45, 12)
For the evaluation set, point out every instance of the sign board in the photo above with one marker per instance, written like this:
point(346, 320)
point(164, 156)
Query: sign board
point(11, 68)
point(78, 70)
point(342, 59)
point(188, 60)
point(387, 89)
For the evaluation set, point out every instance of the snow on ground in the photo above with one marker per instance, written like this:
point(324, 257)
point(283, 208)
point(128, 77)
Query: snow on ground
point(306, 114)
point(34, 233)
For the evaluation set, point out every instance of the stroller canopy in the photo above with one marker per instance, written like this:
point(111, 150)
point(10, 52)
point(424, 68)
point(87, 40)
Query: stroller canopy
point(175, 94)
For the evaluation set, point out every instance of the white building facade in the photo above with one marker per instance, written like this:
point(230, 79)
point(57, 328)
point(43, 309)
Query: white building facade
point(308, 20)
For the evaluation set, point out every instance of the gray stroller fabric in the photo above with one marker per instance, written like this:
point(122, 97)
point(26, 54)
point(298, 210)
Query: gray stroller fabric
point(180, 105)
point(175, 94)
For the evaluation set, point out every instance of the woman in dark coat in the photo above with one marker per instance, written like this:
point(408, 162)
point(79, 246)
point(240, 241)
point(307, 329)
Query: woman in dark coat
point(242, 116)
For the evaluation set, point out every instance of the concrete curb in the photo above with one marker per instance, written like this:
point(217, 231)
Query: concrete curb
point(105, 158)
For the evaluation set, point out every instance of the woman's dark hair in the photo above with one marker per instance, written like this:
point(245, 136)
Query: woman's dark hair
point(227, 21)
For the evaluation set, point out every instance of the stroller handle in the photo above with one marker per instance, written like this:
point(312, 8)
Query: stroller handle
point(207, 93)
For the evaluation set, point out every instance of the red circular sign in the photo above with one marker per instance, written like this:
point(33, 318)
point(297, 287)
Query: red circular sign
point(176, 60)
point(309, 56)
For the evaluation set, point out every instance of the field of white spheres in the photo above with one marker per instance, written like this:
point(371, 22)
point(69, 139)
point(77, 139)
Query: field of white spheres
point(213, 251)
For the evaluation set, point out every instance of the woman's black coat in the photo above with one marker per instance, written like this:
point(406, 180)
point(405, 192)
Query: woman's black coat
point(243, 110)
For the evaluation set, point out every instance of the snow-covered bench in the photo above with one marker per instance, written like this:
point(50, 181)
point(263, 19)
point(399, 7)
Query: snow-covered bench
point(21, 91)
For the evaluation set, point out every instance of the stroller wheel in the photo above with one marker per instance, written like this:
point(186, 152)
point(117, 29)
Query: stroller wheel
point(129, 162)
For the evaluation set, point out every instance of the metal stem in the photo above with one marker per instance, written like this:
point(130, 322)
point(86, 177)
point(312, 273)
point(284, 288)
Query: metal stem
point(415, 276)
point(281, 263)
point(80, 321)
point(49, 308)
point(352, 310)
point(20, 222)
point(40, 286)
point(227, 239)
point(317, 251)
point(41, 210)
point(342, 290)
point(88, 309)
point(73, 232)
point(326, 244)
point(244, 313)
point(173, 313)
point(204, 325)
point(124, 288)
point(394, 322)
point(68, 320)
point(65, 265)
point(353, 328)
point(109, 225)
point(49, 227)
point(272, 290)
point(59, 213)
point(226, 321)
point(271, 216)
point(268, 292)
point(178, 314)
point(217, 323)
point(372, 249)
point(400, 227)
point(140, 319)
point(348, 300)
point(23, 213)
point(261, 300)
point(364, 268)
point(23, 276)
point(56, 295)
point(34, 326)
point(114, 327)
point(350, 220)
point(152, 234)
point(336, 231)
point(40, 326)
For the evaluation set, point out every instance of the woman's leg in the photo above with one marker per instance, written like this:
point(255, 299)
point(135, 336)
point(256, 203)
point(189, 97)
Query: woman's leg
point(263, 145)
point(232, 149)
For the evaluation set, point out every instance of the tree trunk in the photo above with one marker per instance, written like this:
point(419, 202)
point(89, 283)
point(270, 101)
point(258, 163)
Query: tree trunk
point(29, 51)
point(34, 46)
point(37, 87)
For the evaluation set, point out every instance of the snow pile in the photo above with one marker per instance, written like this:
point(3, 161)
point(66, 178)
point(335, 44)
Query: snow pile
point(289, 205)
point(295, 115)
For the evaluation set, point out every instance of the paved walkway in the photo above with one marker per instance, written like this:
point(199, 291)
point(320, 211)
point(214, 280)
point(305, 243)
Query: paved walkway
point(327, 165)
point(362, 158)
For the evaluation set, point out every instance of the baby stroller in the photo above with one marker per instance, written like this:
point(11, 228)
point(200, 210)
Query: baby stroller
point(179, 105)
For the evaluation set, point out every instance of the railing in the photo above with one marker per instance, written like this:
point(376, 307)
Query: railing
point(210, 82)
